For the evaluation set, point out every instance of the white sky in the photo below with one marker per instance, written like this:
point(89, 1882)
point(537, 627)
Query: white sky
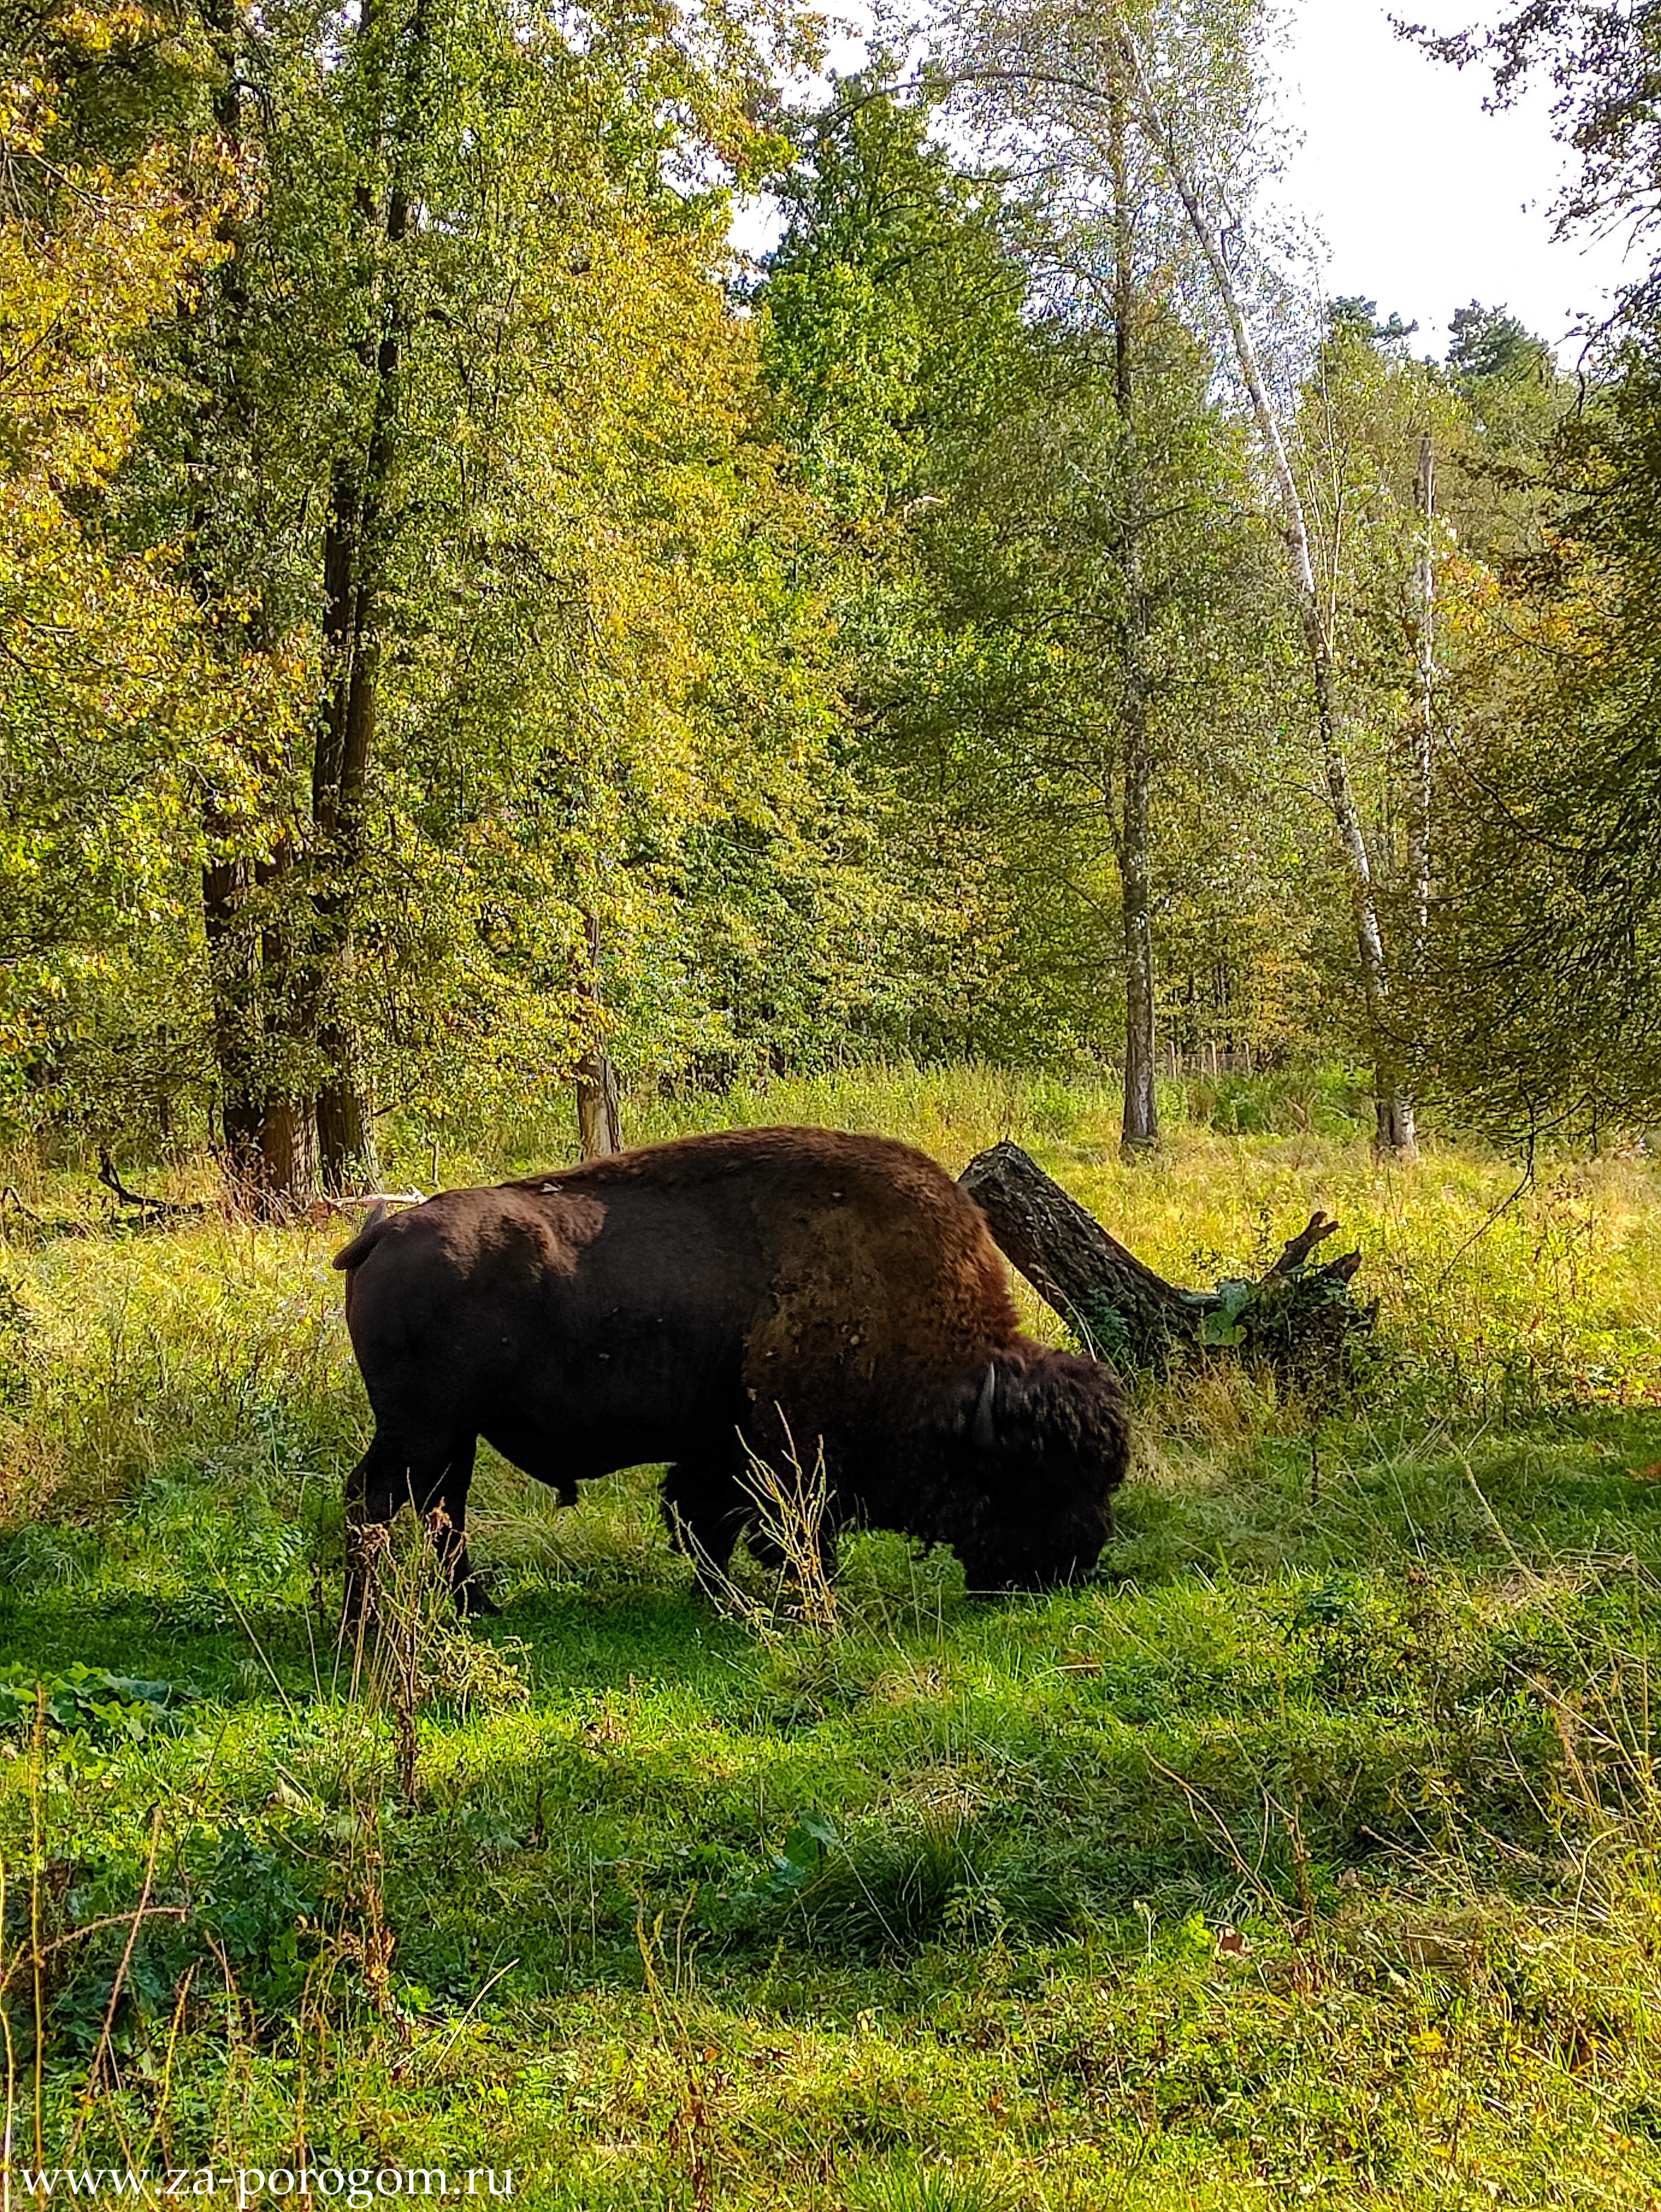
point(1425, 201)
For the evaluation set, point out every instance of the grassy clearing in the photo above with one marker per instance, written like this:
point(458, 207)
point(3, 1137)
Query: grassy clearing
point(1307, 1857)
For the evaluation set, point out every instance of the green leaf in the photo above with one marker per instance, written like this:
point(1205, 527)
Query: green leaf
point(1217, 1329)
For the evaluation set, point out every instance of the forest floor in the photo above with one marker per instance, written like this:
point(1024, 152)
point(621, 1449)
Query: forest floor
point(1307, 1857)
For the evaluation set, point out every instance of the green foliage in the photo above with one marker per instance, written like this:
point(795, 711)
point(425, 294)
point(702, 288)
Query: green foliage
point(954, 401)
point(114, 706)
point(1545, 976)
point(426, 564)
point(90, 1698)
point(1357, 317)
point(410, 602)
point(1506, 373)
point(1227, 1324)
point(582, 613)
point(521, 448)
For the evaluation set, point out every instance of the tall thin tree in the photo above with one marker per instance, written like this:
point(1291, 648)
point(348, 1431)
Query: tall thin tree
point(1174, 135)
point(1141, 1110)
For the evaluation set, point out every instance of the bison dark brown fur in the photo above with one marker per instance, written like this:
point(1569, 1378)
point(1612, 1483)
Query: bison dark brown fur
point(772, 1291)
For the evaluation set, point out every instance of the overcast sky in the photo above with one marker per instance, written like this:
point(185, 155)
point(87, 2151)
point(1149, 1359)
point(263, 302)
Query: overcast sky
point(1424, 200)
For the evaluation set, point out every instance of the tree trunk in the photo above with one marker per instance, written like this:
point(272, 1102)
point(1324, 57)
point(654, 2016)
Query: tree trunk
point(268, 1139)
point(288, 1151)
point(268, 1143)
point(288, 1103)
point(1393, 1107)
point(357, 547)
point(600, 1112)
point(1419, 786)
point(1298, 1319)
point(1104, 1293)
point(1141, 1113)
point(1397, 1131)
point(233, 981)
point(1421, 772)
point(345, 1131)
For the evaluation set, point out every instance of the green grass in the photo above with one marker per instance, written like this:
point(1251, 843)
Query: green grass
point(1308, 1857)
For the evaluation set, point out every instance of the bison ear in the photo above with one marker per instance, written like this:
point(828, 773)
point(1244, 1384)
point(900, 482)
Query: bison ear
point(982, 1433)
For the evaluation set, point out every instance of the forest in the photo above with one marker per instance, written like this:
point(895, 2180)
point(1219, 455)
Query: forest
point(470, 632)
point(497, 669)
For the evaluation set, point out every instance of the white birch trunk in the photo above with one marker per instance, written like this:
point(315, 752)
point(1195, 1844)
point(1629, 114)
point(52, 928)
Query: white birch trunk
point(1419, 784)
point(1394, 1110)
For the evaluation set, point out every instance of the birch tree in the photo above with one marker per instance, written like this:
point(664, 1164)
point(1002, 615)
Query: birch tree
point(1192, 84)
point(1204, 187)
point(1421, 777)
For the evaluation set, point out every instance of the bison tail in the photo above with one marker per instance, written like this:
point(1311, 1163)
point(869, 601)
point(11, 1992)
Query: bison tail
point(366, 1239)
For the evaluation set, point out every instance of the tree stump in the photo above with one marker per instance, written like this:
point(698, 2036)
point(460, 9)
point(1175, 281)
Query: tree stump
point(1301, 1321)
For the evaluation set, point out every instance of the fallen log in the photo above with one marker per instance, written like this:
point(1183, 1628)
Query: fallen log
point(150, 1210)
point(1294, 1317)
point(324, 1208)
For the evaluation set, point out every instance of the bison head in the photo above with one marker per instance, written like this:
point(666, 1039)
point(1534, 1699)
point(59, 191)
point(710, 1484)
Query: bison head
point(1047, 1441)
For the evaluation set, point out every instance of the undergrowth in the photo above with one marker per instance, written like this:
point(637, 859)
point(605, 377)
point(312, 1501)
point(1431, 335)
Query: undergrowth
point(1305, 1856)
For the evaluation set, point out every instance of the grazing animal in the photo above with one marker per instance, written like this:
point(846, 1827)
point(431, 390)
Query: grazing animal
point(773, 1292)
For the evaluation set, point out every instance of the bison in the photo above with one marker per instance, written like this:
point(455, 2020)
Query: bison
point(761, 1294)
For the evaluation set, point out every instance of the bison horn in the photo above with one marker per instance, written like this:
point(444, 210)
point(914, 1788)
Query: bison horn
point(985, 1436)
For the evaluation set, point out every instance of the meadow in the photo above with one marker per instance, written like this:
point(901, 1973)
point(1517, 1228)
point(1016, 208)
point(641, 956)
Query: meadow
point(1305, 1856)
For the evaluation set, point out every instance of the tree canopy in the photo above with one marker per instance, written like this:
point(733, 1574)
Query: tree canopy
point(464, 628)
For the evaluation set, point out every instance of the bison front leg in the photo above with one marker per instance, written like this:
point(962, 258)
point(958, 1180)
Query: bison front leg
point(703, 1509)
point(789, 1533)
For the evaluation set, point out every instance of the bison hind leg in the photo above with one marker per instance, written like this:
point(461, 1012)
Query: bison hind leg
point(433, 1478)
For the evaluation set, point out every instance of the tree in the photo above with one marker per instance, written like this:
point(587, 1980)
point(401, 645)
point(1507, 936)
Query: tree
point(1372, 429)
point(1051, 520)
point(895, 342)
point(454, 473)
point(1193, 87)
point(1545, 980)
point(1010, 70)
point(113, 705)
point(1202, 188)
point(1141, 1113)
point(463, 384)
point(1486, 343)
point(1359, 318)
